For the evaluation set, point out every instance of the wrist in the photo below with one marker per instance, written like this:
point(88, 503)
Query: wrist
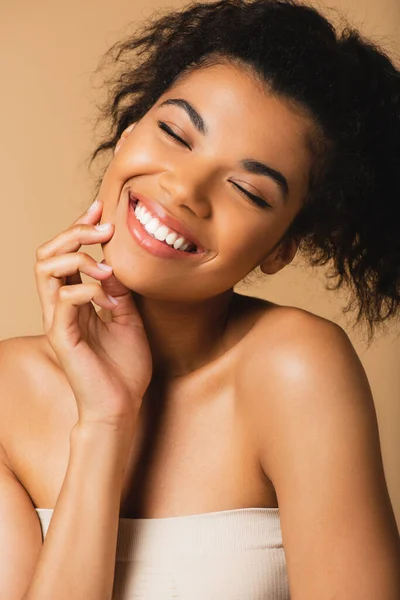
point(117, 431)
point(120, 424)
point(95, 444)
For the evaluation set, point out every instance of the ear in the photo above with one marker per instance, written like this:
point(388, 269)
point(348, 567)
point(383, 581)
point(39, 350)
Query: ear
point(123, 136)
point(280, 256)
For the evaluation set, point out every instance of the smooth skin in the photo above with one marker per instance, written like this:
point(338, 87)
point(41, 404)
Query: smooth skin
point(249, 403)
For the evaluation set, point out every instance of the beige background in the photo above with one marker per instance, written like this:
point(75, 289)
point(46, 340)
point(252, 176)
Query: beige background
point(48, 52)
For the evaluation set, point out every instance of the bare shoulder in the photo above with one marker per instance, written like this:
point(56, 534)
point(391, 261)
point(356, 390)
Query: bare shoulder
point(277, 327)
point(316, 433)
point(298, 364)
point(289, 353)
point(28, 372)
point(23, 361)
point(25, 351)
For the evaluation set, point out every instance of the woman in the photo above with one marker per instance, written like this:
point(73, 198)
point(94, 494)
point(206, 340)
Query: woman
point(236, 439)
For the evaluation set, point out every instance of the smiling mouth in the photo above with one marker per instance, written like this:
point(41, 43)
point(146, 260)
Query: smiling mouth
point(155, 228)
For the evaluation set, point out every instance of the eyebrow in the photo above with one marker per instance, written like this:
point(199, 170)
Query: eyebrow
point(248, 164)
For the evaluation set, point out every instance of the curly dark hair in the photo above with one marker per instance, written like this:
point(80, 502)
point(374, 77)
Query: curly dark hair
point(345, 84)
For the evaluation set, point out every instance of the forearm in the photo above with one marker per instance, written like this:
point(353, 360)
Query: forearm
point(77, 560)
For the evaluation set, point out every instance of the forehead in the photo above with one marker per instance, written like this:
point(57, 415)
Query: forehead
point(242, 115)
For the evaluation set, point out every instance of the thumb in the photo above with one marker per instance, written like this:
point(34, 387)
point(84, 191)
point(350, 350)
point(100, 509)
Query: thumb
point(126, 312)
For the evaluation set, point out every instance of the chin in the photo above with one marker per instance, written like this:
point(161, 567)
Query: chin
point(151, 281)
point(186, 279)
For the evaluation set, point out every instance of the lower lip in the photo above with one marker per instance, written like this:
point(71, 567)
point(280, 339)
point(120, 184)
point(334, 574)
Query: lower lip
point(149, 243)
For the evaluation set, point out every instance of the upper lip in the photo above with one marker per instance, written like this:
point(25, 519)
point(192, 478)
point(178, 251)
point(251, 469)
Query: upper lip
point(166, 219)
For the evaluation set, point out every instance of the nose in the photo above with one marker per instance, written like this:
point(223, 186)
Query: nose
point(187, 189)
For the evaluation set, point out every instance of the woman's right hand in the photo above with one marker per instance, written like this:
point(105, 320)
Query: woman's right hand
point(108, 365)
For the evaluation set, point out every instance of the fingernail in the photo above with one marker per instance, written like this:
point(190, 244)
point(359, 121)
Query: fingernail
point(94, 205)
point(129, 129)
point(103, 227)
point(104, 267)
point(113, 300)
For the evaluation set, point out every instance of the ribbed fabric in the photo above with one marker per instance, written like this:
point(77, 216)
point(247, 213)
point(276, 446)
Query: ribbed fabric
point(226, 555)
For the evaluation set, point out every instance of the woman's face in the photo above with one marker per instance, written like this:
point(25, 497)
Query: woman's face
point(196, 184)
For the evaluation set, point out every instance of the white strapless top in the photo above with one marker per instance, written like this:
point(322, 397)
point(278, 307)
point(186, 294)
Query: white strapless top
point(226, 555)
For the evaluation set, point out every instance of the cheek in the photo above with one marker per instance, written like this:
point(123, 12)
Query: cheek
point(242, 244)
point(111, 186)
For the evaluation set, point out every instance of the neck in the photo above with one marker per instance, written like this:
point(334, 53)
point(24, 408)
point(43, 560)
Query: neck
point(184, 336)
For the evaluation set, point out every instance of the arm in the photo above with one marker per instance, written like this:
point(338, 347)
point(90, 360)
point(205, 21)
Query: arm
point(77, 558)
point(78, 555)
point(20, 535)
point(319, 444)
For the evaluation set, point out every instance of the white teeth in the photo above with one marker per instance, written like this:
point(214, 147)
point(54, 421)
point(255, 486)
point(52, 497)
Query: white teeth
point(171, 238)
point(161, 233)
point(179, 242)
point(142, 215)
point(145, 217)
point(138, 213)
point(152, 225)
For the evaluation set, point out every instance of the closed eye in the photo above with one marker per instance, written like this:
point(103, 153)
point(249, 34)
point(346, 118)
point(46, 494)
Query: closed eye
point(171, 133)
point(255, 199)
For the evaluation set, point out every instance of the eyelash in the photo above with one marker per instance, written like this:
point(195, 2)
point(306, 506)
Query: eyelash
point(256, 199)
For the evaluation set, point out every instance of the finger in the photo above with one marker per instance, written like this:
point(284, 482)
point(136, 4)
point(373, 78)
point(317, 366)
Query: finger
point(92, 215)
point(73, 238)
point(56, 271)
point(94, 211)
point(73, 279)
point(64, 332)
point(125, 313)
